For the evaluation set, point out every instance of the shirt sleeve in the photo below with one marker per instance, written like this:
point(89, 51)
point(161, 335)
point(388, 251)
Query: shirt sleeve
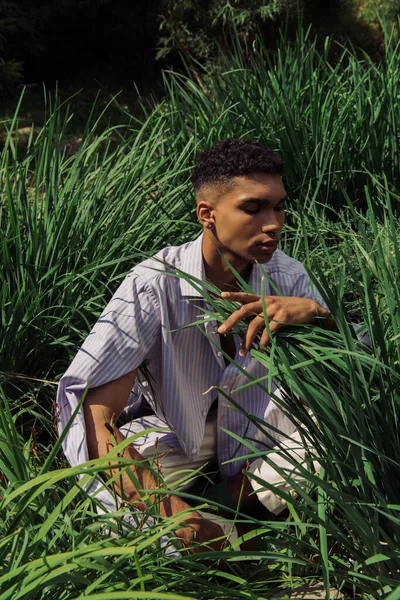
point(304, 288)
point(281, 468)
point(119, 342)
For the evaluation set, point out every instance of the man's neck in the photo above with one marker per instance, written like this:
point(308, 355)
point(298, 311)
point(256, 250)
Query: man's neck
point(217, 269)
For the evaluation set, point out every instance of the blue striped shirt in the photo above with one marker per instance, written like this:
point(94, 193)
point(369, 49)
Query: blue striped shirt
point(146, 324)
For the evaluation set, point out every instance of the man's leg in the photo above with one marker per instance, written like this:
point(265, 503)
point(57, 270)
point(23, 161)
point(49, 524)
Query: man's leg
point(253, 487)
point(136, 487)
point(162, 450)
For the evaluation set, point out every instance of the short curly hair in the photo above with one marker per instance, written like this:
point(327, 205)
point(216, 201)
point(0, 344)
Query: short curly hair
point(234, 158)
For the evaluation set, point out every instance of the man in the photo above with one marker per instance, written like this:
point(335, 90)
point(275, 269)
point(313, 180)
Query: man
point(142, 342)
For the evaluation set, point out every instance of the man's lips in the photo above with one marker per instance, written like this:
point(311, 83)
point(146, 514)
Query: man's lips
point(269, 246)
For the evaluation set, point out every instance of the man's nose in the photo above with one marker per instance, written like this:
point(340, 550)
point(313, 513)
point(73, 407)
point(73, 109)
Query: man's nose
point(271, 225)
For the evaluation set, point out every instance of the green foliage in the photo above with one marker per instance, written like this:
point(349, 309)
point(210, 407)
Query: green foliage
point(198, 28)
point(334, 120)
point(371, 9)
point(201, 30)
point(73, 225)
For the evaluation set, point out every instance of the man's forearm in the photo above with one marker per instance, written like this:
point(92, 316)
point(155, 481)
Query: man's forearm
point(102, 436)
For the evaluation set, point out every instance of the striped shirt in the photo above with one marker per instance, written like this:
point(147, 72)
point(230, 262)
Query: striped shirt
point(146, 324)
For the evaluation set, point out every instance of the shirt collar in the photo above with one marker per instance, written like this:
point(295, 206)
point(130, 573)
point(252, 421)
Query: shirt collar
point(193, 265)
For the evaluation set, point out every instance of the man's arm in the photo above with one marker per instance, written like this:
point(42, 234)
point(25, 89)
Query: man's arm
point(102, 407)
point(281, 311)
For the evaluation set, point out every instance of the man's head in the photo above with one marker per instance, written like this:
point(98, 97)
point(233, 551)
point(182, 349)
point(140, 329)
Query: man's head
point(240, 198)
point(220, 165)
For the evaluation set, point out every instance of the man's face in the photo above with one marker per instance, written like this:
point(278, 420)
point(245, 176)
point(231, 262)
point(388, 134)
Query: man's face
point(248, 217)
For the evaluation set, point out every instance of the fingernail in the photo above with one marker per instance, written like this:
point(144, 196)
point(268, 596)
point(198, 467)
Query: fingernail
point(225, 294)
point(242, 352)
point(221, 329)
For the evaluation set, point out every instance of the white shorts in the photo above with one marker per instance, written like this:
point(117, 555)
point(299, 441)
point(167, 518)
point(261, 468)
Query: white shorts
point(162, 450)
point(291, 457)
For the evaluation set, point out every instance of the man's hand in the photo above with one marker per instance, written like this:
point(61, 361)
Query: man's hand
point(199, 534)
point(281, 311)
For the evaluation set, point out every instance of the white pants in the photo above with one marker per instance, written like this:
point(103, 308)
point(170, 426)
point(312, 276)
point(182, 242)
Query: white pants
point(162, 449)
point(289, 458)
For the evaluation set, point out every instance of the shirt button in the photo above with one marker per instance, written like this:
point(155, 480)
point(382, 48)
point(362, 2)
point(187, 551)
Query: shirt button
point(224, 387)
point(194, 450)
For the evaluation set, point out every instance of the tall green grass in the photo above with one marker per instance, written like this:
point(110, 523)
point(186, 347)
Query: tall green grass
point(72, 225)
point(334, 114)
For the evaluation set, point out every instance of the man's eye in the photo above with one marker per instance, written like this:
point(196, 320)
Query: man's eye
point(252, 211)
point(280, 207)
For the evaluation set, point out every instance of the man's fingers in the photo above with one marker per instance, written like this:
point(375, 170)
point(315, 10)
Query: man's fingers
point(265, 338)
point(247, 310)
point(243, 297)
point(252, 330)
point(254, 327)
point(281, 310)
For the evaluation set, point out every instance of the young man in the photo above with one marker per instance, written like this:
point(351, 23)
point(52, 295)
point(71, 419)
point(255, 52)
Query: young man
point(240, 200)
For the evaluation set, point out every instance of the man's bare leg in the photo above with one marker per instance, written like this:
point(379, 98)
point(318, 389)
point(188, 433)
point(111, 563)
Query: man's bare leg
point(102, 407)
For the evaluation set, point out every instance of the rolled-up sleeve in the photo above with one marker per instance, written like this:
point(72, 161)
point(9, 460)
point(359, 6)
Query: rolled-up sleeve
point(119, 342)
point(279, 470)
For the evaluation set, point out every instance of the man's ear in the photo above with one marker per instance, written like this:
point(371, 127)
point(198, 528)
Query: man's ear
point(205, 213)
